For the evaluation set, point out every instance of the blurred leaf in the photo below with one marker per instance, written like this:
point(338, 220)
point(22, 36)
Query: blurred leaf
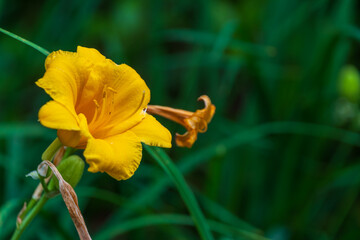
point(7, 220)
point(185, 192)
point(152, 220)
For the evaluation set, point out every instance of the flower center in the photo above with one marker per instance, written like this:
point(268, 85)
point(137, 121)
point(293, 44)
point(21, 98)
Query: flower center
point(104, 110)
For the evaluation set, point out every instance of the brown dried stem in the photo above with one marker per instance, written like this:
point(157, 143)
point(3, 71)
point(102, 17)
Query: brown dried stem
point(71, 201)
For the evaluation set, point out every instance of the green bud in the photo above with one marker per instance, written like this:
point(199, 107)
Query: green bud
point(349, 83)
point(71, 169)
point(51, 150)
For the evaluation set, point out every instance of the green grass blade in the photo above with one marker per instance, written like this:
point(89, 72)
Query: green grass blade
point(223, 214)
point(7, 214)
point(207, 39)
point(27, 42)
point(351, 31)
point(237, 138)
point(101, 194)
point(15, 153)
point(185, 191)
point(178, 219)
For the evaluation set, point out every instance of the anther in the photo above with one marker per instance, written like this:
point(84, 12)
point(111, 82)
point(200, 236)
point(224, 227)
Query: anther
point(96, 103)
point(112, 90)
point(97, 106)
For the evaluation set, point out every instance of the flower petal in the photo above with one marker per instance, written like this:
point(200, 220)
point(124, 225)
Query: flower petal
point(132, 93)
point(119, 155)
point(55, 115)
point(208, 111)
point(187, 139)
point(67, 74)
point(86, 80)
point(76, 139)
point(61, 77)
point(90, 53)
point(151, 132)
point(92, 85)
point(131, 98)
point(69, 138)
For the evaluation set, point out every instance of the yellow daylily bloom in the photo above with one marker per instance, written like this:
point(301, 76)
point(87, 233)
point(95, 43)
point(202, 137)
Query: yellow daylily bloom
point(194, 122)
point(100, 106)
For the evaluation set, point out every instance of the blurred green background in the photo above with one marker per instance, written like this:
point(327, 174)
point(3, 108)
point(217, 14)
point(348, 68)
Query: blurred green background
point(281, 156)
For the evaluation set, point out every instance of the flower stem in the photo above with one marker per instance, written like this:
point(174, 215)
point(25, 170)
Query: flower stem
point(27, 42)
point(43, 183)
point(69, 151)
point(19, 230)
point(187, 195)
point(29, 206)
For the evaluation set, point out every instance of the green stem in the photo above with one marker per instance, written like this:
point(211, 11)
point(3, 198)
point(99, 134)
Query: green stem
point(43, 183)
point(29, 206)
point(19, 230)
point(69, 151)
point(187, 195)
point(27, 42)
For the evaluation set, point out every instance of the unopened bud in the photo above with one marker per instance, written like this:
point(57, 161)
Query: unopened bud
point(51, 150)
point(71, 169)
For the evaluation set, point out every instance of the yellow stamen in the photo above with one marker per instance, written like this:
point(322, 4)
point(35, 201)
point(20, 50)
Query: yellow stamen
point(96, 112)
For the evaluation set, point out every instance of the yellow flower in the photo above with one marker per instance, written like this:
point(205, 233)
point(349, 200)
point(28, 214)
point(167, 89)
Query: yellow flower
point(100, 106)
point(193, 122)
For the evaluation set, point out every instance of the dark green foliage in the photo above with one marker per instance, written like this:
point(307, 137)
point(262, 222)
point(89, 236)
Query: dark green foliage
point(280, 157)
